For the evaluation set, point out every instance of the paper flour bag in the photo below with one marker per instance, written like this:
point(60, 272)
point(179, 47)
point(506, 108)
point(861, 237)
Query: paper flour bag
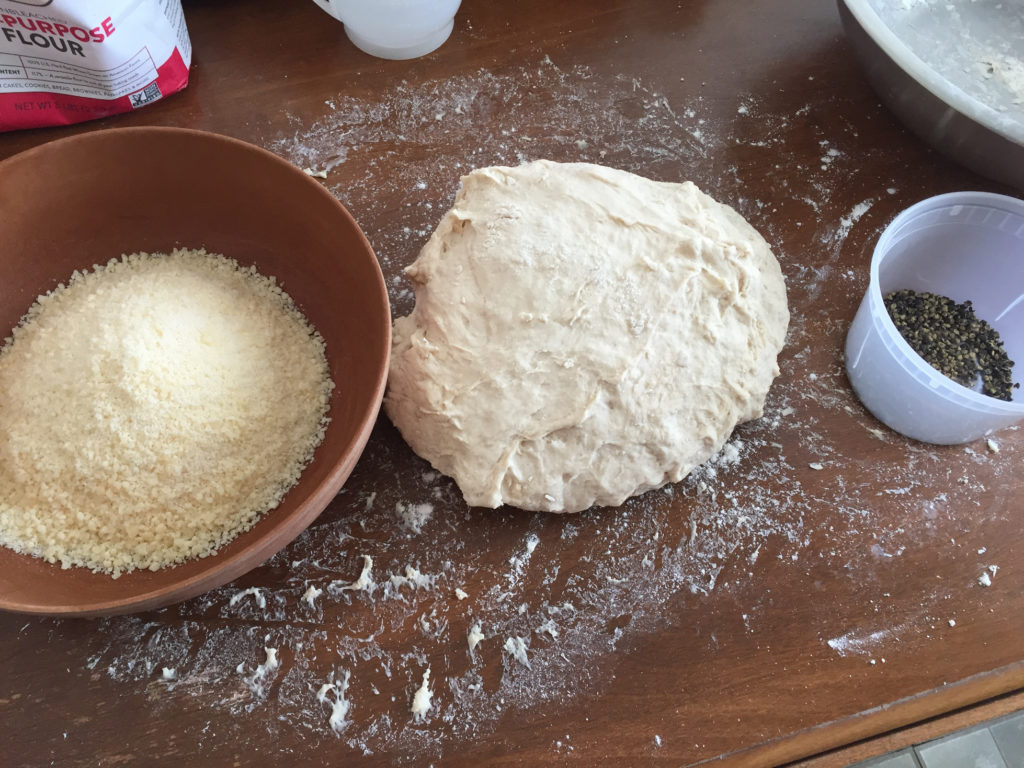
point(65, 61)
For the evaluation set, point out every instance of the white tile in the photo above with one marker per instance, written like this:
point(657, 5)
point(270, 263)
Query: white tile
point(904, 759)
point(973, 749)
point(1009, 736)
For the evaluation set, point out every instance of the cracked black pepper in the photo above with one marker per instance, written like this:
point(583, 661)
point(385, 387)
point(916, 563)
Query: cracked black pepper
point(955, 342)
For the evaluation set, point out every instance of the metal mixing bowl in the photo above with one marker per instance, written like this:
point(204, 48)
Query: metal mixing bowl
point(952, 71)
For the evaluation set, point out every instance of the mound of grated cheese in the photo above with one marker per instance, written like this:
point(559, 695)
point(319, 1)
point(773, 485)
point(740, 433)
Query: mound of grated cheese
point(154, 408)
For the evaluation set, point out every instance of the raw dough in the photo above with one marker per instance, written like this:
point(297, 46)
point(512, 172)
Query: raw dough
point(582, 334)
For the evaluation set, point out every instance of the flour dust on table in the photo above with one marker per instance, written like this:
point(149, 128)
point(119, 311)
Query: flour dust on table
point(534, 631)
point(708, 542)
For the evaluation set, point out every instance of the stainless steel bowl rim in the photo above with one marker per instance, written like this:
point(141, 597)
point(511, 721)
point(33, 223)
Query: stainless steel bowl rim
point(904, 57)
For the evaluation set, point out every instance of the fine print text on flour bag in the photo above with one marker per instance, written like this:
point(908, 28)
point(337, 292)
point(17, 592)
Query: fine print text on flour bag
point(65, 61)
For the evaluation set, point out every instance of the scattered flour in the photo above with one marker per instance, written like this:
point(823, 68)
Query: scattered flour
point(421, 699)
point(255, 592)
point(549, 627)
point(516, 648)
point(474, 637)
point(855, 643)
point(364, 583)
point(271, 662)
point(259, 678)
point(310, 595)
point(338, 703)
point(985, 579)
point(412, 579)
point(414, 516)
point(846, 222)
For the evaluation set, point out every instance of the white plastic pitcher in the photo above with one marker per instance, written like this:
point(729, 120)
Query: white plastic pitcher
point(394, 29)
point(963, 245)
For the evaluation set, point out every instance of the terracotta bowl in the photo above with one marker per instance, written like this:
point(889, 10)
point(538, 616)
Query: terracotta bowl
point(86, 199)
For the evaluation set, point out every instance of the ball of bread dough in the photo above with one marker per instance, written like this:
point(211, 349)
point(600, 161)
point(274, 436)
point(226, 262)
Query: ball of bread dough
point(582, 335)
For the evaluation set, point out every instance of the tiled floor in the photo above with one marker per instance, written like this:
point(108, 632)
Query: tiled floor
point(996, 744)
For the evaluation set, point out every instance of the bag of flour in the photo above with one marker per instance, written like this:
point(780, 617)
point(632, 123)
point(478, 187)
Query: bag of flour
point(65, 61)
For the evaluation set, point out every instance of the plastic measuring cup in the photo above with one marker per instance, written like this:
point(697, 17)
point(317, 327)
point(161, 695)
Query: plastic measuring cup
point(964, 245)
point(395, 29)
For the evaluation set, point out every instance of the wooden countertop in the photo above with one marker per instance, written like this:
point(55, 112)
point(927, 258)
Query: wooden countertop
point(760, 612)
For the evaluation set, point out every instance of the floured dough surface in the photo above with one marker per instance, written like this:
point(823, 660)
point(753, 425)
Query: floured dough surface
point(582, 335)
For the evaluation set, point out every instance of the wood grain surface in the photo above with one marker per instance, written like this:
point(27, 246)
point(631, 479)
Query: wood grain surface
point(758, 613)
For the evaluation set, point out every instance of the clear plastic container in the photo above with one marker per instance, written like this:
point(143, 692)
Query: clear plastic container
point(964, 245)
point(395, 29)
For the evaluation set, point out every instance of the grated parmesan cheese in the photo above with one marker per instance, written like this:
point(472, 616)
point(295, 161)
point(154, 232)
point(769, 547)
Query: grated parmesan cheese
point(154, 408)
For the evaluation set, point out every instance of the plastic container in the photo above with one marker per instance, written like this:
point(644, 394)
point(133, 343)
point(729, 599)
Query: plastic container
point(394, 29)
point(964, 245)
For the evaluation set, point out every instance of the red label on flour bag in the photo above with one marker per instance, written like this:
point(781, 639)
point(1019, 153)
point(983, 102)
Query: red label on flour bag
point(65, 61)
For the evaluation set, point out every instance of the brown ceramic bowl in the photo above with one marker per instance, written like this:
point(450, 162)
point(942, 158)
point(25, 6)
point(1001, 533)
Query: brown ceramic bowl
point(86, 199)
